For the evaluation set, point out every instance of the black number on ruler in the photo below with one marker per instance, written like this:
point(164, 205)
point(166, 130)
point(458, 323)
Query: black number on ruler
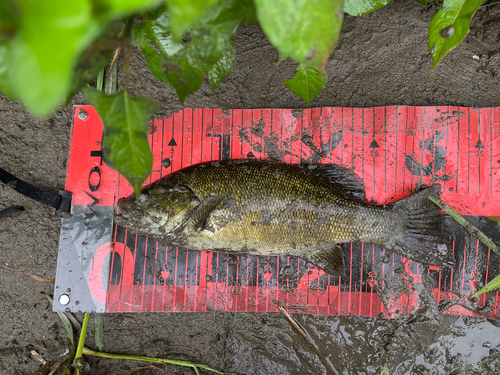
point(94, 187)
point(437, 163)
point(373, 153)
point(479, 145)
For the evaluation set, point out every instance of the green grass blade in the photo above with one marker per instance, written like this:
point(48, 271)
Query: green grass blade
point(111, 80)
point(493, 284)
point(69, 328)
point(99, 334)
point(194, 366)
point(100, 80)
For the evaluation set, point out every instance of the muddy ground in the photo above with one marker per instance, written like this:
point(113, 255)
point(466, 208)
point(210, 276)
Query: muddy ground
point(381, 59)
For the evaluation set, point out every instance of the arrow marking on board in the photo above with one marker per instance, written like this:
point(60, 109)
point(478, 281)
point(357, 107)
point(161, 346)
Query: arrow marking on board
point(479, 144)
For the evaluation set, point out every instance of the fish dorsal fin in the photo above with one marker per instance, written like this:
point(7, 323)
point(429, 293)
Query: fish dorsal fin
point(346, 182)
point(203, 210)
point(330, 260)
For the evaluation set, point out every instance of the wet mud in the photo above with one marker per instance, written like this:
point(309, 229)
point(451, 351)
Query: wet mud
point(381, 59)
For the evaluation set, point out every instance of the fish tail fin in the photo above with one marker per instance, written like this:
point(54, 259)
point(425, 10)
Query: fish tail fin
point(421, 236)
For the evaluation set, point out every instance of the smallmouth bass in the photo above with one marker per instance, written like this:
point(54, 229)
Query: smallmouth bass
point(264, 208)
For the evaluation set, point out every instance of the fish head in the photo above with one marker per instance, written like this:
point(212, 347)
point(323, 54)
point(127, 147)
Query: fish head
point(157, 210)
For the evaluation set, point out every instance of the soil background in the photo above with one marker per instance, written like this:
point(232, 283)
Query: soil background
point(381, 59)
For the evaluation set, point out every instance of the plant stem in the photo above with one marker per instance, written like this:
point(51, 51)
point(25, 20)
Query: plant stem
point(127, 33)
point(468, 226)
point(194, 366)
point(81, 341)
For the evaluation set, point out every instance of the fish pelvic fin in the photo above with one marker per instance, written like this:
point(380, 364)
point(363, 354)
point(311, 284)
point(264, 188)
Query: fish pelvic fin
point(421, 236)
point(330, 260)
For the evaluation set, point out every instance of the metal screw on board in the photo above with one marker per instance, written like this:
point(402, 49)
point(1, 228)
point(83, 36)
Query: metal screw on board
point(64, 299)
point(82, 115)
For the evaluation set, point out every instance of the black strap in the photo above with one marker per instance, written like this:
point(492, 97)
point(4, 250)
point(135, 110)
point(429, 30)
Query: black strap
point(61, 202)
point(11, 209)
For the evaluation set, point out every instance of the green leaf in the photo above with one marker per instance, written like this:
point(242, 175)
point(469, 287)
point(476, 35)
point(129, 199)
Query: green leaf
point(9, 14)
point(385, 370)
point(360, 7)
point(112, 9)
point(449, 26)
point(184, 76)
point(492, 285)
point(155, 41)
point(185, 13)
point(230, 10)
point(222, 68)
point(49, 40)
point(424, 2)
point(125, 120)
point(305, 30)
point(209, 50)
point(99, 331)
point(44, 50)
point(307, 83)
point(495, 218)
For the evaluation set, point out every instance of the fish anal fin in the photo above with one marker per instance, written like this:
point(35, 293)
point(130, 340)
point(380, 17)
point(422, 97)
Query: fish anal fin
point(330, 260)
point(203, 211)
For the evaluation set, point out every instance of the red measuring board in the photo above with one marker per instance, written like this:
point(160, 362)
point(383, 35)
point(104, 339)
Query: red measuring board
point(393, 149)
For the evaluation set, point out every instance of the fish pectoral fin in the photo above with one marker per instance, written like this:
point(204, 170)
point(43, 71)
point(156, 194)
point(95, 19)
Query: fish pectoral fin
point(330, 260)
point(203, 210)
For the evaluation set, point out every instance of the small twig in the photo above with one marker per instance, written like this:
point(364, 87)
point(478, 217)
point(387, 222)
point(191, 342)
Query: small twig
point(309, 340)
point(194, 366)
point(55, 368)
point(468, 226)
point(32, 275)
point(115, 56)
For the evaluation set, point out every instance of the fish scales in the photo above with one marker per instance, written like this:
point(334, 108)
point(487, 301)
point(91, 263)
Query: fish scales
point(259, 218)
